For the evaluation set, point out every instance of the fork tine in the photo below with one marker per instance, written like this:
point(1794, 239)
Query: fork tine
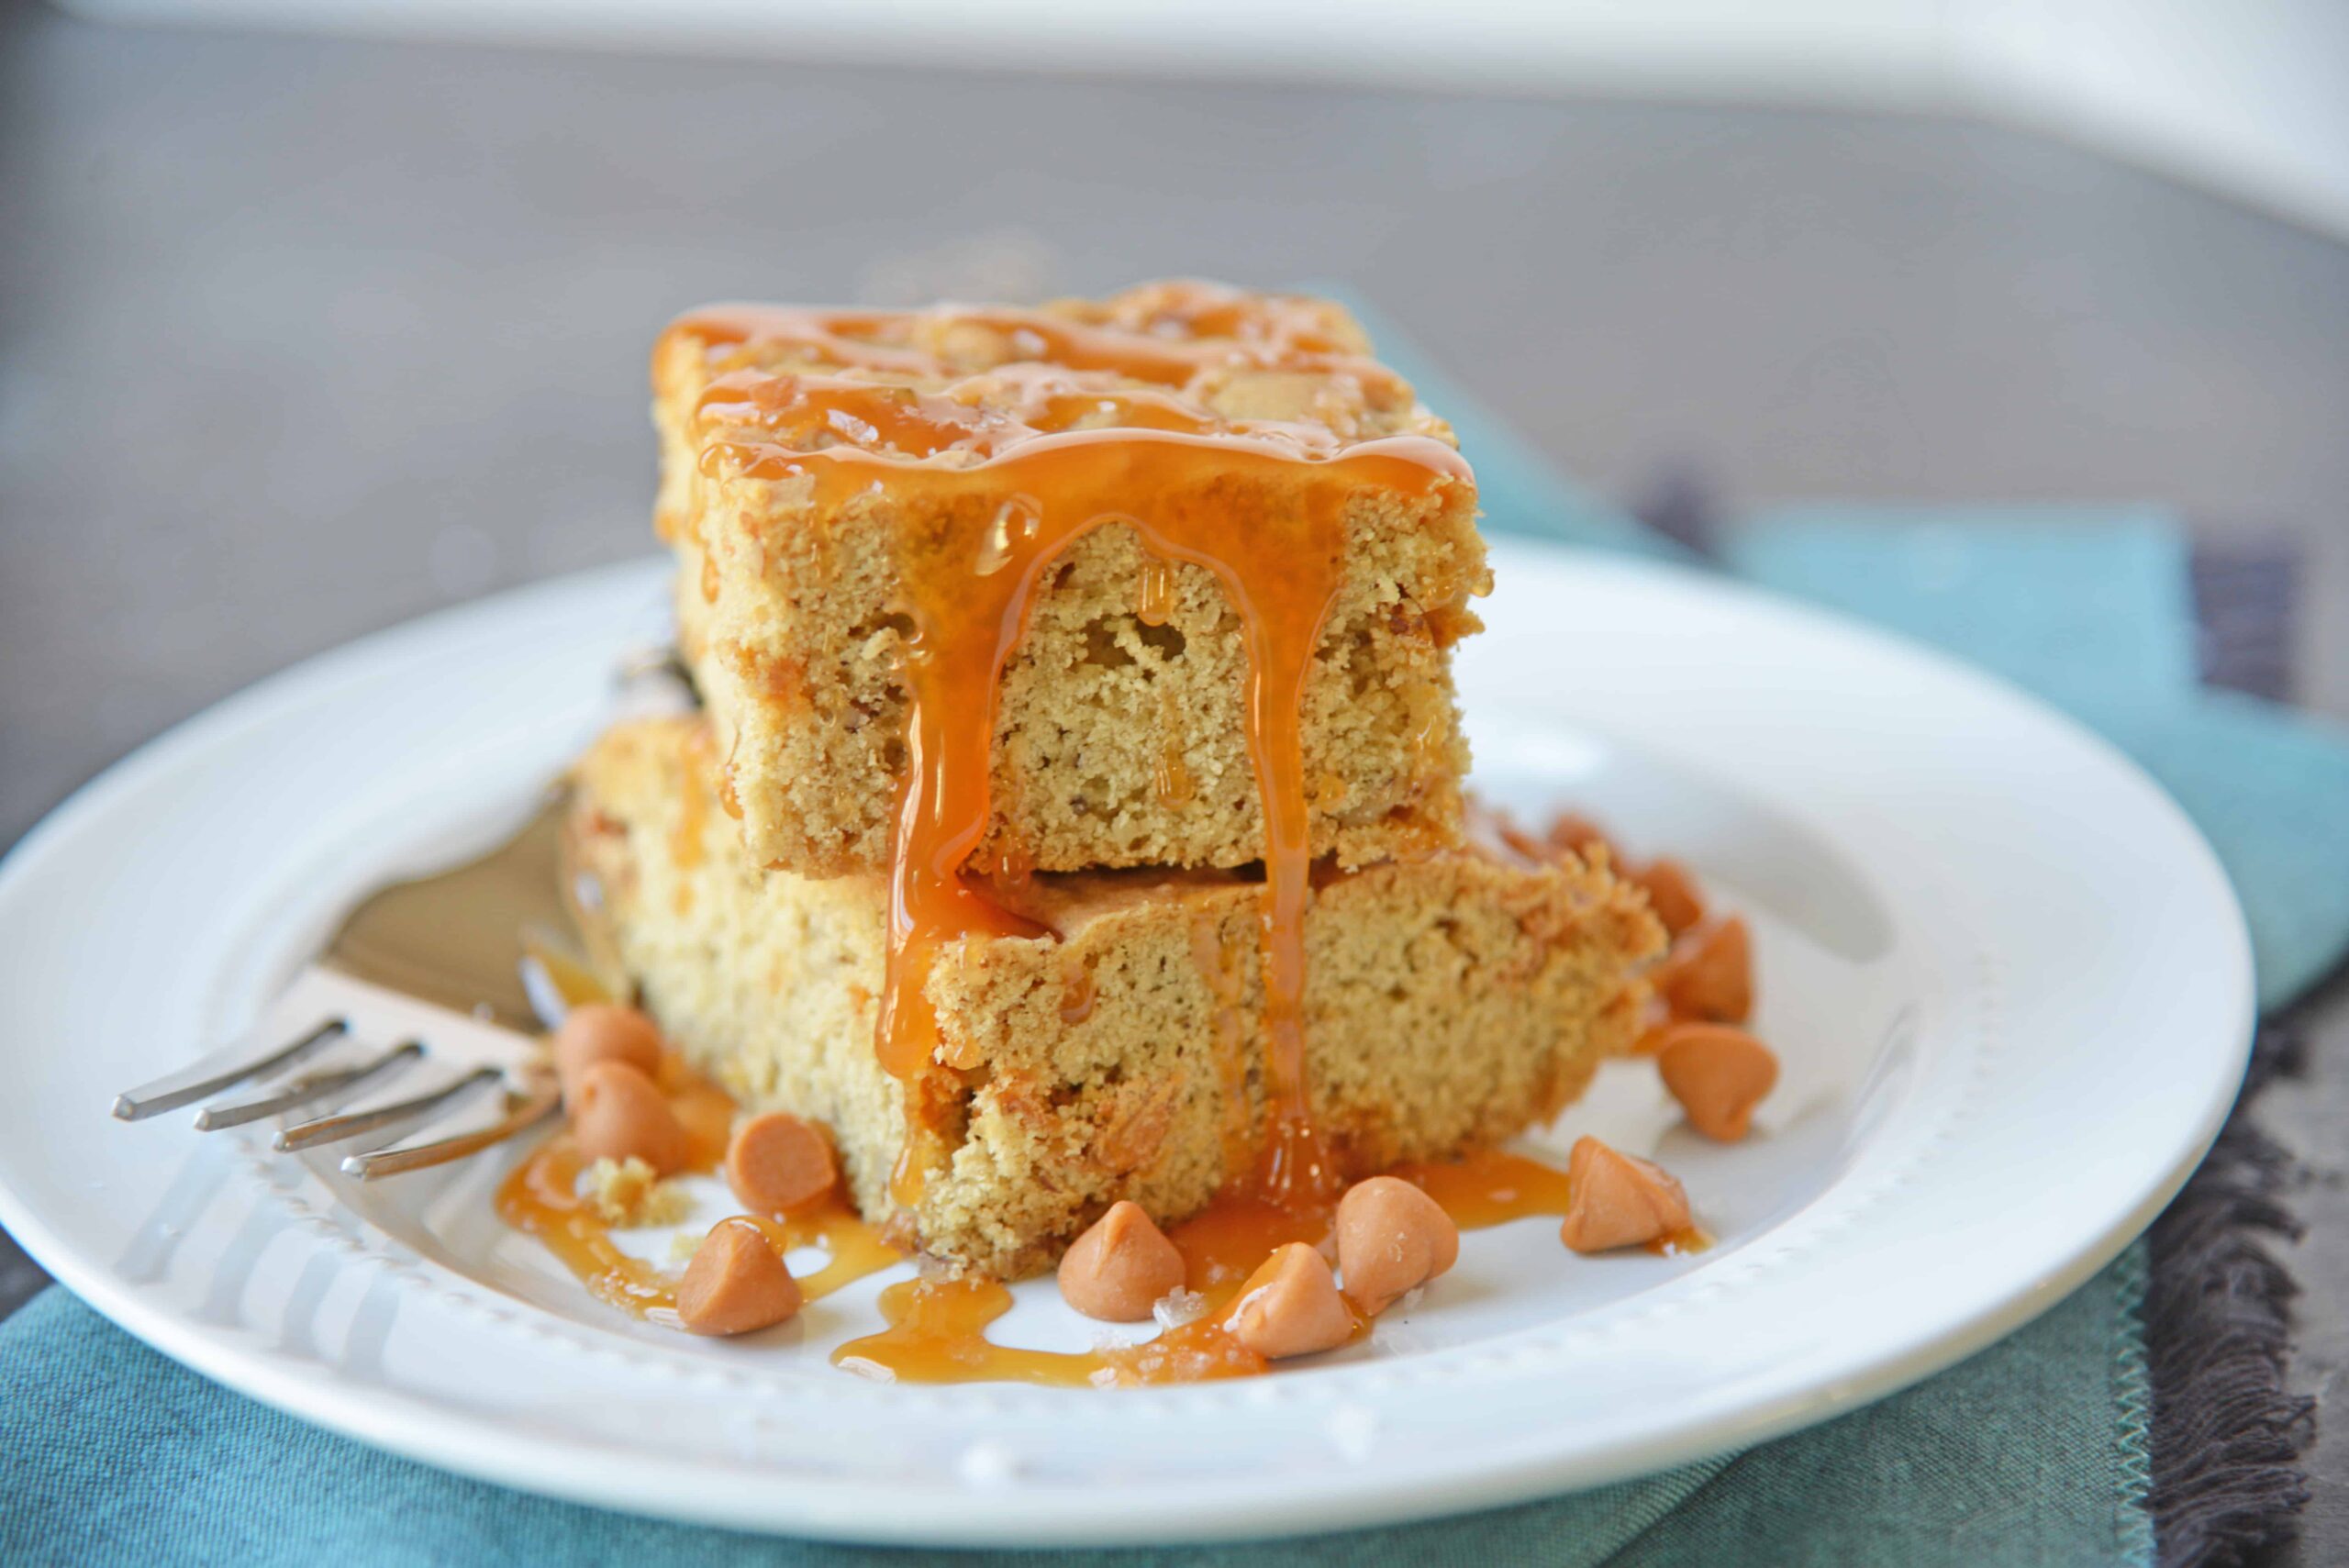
point(221, 1070)
point(536, 1106)
point(329, 1130)
point(309, 1086)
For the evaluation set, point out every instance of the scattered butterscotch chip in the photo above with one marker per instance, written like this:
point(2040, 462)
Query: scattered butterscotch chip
point(629, 1192)
point(1719, 1074)
point(1391, 1237)
point(620, 1115)
point(1122, 1265)
point(1710, 978)
point(1672, 894)
point(735, 1284)
point(604, 1031)
point(776, 1162)
point(1290, 1306)
point(1617, 1199)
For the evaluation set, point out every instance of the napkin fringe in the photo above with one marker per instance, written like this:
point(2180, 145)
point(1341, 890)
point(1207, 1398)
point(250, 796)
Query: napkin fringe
point(2228, 1434)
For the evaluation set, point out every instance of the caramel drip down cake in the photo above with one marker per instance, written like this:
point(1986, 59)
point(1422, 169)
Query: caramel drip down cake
point(1115, 1046)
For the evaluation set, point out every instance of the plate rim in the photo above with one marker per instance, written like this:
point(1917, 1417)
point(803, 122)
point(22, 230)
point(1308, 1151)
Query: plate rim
point(393, 1421)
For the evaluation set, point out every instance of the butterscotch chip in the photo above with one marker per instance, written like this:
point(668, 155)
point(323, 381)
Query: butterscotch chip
point(777, 1162)
point(1672, 894)
point(1719, 1074)
point(1291, 1306)
point(1391, 1237)
point(1119, 1268)
point(1710, 979)
point(620, 1115)
point(1617, 1199)
point(604, 1031)
point(736, 1285)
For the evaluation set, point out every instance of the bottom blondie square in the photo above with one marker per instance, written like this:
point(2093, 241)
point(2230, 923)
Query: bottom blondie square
point(1451, 1001)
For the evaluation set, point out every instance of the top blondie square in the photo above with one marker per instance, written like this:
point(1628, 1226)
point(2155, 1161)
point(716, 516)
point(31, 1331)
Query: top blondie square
point(1192, 545)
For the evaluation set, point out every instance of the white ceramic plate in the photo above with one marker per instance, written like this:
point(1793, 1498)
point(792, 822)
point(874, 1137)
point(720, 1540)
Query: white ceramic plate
point(2009, 985)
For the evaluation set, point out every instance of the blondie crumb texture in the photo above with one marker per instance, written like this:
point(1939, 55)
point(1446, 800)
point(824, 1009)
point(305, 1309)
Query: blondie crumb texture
point(1451, 1002)
point(629, 1192)
point(1120, 732)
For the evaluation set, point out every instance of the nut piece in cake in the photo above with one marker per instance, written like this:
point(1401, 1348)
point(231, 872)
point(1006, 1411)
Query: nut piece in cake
point(1451, 1002)
point(1132, 506)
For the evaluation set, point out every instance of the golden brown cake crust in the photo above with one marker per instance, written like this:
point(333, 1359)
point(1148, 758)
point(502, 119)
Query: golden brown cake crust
point(1451, 1002)
point(1119, 736)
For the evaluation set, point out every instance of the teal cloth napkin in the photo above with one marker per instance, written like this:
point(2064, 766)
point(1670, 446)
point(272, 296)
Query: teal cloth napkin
point(2033, 1452)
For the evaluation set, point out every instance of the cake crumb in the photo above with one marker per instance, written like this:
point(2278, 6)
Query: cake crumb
point(629, 1192)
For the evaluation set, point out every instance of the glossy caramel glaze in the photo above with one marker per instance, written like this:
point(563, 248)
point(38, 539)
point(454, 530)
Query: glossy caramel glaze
point(1493, 1187)
point(541, 1195)
point(937, 1333)
point(936, 1330)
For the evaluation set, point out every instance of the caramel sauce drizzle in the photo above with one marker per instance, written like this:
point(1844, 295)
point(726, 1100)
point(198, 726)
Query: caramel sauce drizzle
point(937, 1333)
point(1197, 327)
point(540, 1195)
point(937, 1328)
point(1493, 1187)
point(1156, 602)
point(1170, 777)
point(1017, 464)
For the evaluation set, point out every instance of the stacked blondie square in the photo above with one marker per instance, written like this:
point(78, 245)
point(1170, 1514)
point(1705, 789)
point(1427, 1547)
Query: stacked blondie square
point(1074, 810)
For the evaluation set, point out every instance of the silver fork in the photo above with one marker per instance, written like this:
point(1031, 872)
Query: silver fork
point(453, 975)
point(450, 974)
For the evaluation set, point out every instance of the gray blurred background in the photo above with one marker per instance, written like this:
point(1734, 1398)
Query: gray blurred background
point(300, 337)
